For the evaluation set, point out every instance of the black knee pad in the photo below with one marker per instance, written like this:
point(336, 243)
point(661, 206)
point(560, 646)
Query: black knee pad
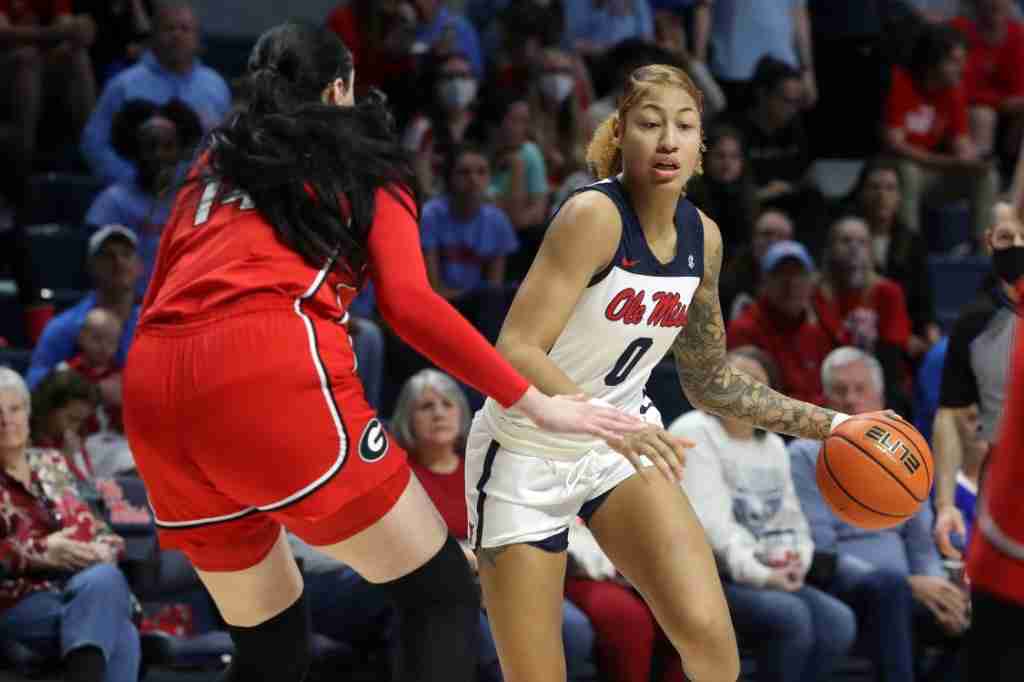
point(276, 650)
point(438, 608)
point(445, 579)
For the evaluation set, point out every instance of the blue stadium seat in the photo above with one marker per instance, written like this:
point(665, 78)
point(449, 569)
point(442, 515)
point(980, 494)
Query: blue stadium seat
point(12, 321)
point(57, 254)
point(948, 226)
point(955, 283)
point(15, 358)
point(60, 198)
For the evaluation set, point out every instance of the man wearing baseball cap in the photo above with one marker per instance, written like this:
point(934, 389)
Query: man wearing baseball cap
point(781, 321)
point(115, 268)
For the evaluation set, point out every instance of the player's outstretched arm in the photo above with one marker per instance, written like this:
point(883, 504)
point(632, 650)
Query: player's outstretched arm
point(712, 385)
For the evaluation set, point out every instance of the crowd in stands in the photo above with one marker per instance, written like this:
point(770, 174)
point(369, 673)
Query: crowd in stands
point(862, 161)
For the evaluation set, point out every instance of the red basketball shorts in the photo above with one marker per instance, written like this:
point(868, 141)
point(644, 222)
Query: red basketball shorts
point(253, 422)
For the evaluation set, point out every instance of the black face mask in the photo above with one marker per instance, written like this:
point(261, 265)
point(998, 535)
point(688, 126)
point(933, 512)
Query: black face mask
point(1008, 264)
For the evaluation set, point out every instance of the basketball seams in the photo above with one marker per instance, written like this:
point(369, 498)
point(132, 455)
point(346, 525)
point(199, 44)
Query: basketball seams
point(881, 465)
point(924, 460)
point(839, 484)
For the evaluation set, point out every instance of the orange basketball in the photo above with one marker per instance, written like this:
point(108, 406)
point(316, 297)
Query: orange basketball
point(875, 472)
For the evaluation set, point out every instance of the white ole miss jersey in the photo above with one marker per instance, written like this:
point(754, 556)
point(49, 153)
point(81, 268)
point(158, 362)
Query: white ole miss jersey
point(623, 325)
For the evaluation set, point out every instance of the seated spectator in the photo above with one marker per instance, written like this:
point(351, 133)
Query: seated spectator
point(380, 35)
point(442, 31)
point(519, 183)
point(782, 323)
point(592, 26)
point(778, 150)
point(628, 640)
point(97, 363)
point(558, 124)
point(742, 33)
point(857, 307)
point(741, 279)
point(450, 93)
point(893, 579)
point(169, 70)
point(122, 28)
point(40, 38)
point(63, 407)
point(62, 594)
point(726, 188)
point(115, 267)
point(670, 35)
point(898, 253)
point(737, 479)
point(993, 78)
point(431, 421)
point(927, 129)
point(466, 242)
point(154, 138)
point(516, 38)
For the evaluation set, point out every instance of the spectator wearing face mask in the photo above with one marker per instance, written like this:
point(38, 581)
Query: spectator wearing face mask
point(450, 91)
point(858, 307)
point(556, 115)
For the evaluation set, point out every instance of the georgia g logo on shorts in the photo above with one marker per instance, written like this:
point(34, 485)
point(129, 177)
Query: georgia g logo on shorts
point(373, 444)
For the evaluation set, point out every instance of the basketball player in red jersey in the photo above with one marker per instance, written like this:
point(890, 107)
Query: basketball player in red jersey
point(995, 557)
point(242, 404)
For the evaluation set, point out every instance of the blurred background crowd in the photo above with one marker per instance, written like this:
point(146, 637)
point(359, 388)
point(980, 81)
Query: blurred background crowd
point(862, 164)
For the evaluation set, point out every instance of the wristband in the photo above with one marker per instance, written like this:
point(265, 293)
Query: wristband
point(837, 420)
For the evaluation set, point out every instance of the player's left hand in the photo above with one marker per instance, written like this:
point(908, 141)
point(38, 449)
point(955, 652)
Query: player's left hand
point(666, 451)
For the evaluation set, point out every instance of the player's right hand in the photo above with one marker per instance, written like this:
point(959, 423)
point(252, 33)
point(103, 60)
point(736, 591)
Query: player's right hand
point(785, 579)
point(575, 414)
point(949, 520)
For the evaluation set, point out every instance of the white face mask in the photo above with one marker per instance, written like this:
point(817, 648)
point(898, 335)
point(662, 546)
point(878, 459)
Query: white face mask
point(556, 86)
point(457, 93)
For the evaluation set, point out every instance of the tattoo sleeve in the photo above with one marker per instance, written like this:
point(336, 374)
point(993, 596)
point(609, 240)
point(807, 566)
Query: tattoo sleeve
point(712, 385)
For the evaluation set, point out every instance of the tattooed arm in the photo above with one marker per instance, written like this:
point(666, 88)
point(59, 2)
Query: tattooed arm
point(712, 385)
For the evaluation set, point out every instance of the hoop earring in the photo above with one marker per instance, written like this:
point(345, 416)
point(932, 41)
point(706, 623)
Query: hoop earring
point(699, 170)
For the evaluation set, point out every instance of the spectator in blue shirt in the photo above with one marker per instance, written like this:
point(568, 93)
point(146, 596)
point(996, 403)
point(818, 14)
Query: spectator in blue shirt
point(466, 241)
point(442, 31)
point(169, 70)
point(592, 28)
point(115, 268)
point(893, 579)
point(154, 138)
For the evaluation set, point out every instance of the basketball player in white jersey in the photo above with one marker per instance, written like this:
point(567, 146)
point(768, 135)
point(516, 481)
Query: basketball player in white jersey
point(628, 271)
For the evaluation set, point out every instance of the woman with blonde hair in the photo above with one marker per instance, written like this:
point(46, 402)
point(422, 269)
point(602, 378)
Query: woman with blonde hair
point(628, 271)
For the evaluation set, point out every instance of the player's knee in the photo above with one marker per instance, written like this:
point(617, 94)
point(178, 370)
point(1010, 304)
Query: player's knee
point(277, 649)
point(445, 580)
point(707, 644)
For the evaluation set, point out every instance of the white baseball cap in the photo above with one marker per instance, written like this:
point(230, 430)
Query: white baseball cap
point(100, 237)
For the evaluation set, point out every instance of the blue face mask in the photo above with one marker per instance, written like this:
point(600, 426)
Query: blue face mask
point(1008, 264)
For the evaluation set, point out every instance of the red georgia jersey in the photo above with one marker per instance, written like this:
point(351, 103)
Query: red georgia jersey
point(219, 256)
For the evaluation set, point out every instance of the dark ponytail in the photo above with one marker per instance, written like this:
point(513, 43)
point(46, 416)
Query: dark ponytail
point(309, 166)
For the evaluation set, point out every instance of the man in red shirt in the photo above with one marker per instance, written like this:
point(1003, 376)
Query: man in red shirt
point(926, 126)
point(39, 36)
point(858, 307)
point(993, 77)
point(782, 322)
